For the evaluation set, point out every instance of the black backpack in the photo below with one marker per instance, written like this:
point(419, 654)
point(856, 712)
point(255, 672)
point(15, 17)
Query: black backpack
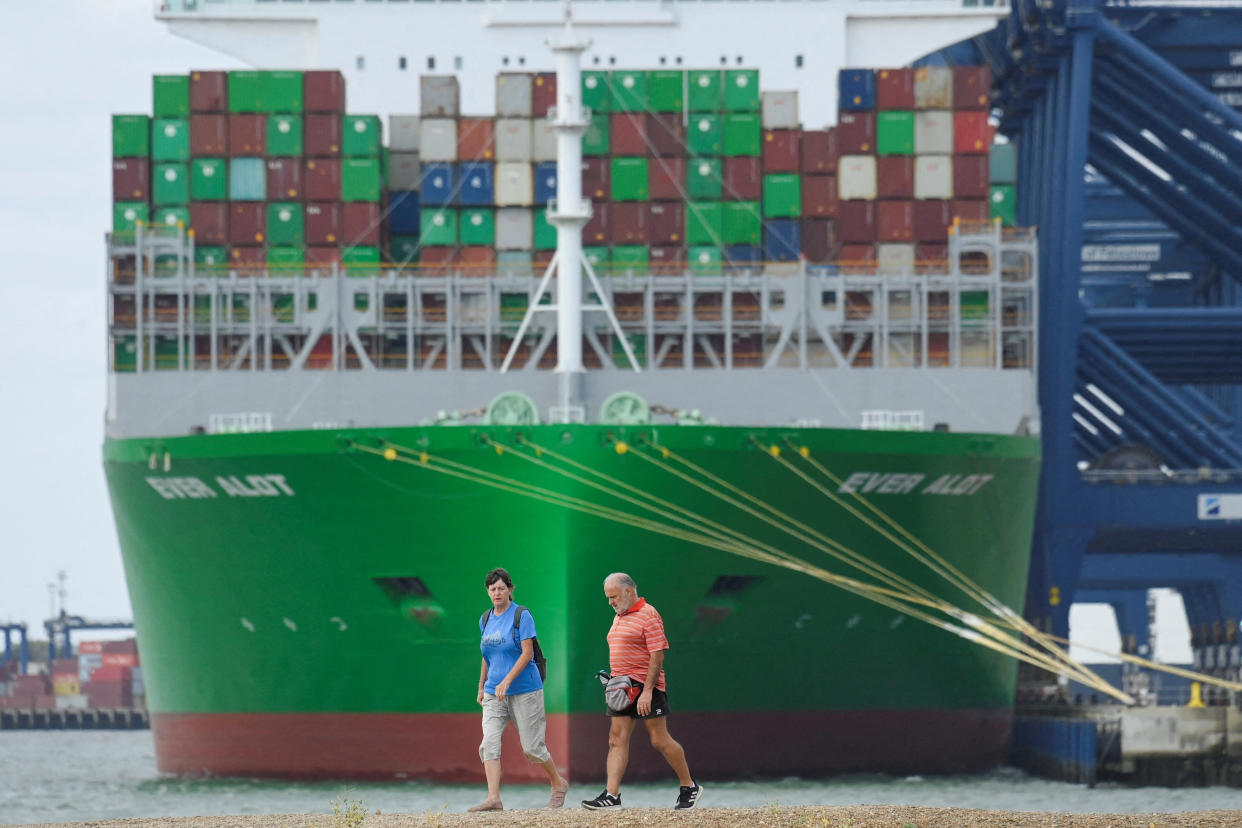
point(541, 663)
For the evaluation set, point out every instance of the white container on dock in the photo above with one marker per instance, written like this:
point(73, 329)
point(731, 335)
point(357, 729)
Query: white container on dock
point(514, 184)
point(933, 176)
point(894, 258)
point(856, 177)
point(780, 109)
point(933, 132)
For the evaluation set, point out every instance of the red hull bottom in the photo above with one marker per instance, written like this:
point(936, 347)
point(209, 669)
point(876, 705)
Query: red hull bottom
point(444, 747)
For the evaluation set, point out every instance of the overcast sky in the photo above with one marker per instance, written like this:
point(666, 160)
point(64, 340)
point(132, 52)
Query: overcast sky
point(67, 67)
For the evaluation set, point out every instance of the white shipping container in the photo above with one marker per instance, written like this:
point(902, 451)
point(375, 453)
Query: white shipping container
point(933, 132)
point(933, 176)
point(88, 662)
point(513, 95)
point(543, 140)
point(404, 171)
point(513, 139)
point(439, 96)
point(933, 87)
point(515, 185)
point(76, 701)
point(856, 177)
point(438, 139)
point(895, 258)
point(515, 228)
point(403, 133)
point(780, 109)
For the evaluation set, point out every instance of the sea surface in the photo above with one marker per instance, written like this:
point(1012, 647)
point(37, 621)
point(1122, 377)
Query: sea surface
point(74, 776)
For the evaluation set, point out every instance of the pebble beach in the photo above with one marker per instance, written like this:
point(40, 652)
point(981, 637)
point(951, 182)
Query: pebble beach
point(775, 816)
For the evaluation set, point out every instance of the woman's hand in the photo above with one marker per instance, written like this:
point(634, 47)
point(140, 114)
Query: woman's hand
point(502, 689)
point(480, 696)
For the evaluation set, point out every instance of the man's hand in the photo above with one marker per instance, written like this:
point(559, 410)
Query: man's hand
point(644, 701)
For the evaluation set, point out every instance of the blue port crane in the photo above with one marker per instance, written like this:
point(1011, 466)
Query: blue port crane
point(23, 644)
point(62, 625)
point(1126, 118)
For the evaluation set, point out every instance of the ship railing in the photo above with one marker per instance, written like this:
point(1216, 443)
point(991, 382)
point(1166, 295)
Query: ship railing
point(177, 7)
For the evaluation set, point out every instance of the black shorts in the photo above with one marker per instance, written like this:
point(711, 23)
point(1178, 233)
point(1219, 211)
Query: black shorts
point(659, 707)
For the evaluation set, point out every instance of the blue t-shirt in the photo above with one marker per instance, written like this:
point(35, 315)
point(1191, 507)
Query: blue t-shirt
point(501, 653)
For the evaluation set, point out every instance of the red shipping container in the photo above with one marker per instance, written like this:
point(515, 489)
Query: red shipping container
point(209, 135)
point(627, 222)
point(665, 179)
point(247, 226)
point(476, 139)
point(970, 176)
point(972, 134)
point(855, 133)
point(819, 196)
point(210, 222)
point(209, 92)
point(323, 224)
point(322, 181)
point(320, 259)
point(894, 176)
point(360, 223)
point(819, 152)
point(248, 261)
point(119, 660)
point(116, 674)
point(131, 179)
point(247, 134)
point(628, 134)
point(894, 221)
point(476, 260)
point(781, 150)
point(595, 178)
point(743, 178)
point(321, 136)
point(931, 220)
point(540, 260)
point(971, 210)
point(543, 93)
point(972, 87)
point(666, 135)
point(90, 647)
point(856, 222)
point(931, 258)
point(436, 260)
point(666, 223)
point(819, 239)
point(47, 702)
point(323, 90)
point(31, 684)
point(859, 257)
point(667, 259)
point(596, 230)
point(284, 179)
point(894, 89)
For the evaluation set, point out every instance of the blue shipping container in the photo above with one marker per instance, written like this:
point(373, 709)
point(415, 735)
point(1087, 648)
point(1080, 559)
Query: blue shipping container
point(478, 183)
point(403, 213)
point(855, 90)
point(438, 188)
point(782, 240)
point(545, 182)
point(741, 254)
point(247, 179)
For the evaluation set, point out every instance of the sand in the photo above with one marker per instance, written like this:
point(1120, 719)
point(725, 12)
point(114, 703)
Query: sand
point(860, 816)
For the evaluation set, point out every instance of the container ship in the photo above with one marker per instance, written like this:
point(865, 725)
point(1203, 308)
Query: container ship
point(401, 305)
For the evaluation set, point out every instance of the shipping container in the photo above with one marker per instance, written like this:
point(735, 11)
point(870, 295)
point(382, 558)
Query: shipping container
point(170, 185)
point(627, 133)
point(247, 179)
point(245, 91)
point(360, 224)
point(705, 134)
point(403, 133)
point(361, 136)
point(970, 176)
point(894, 132)
point(972, 87)
point(543, 94)
point(933, 132)
point(666, 222)
point(323, 91)
point(629, 259)
point(247, 223)
point(705, 90)
point(628, 179)
point(515, 186)
point(597, 139)
point(171, 218)
point(476, 260)
point(322, 179)
point(476, 226)
point(780, 110)
point(170, 140)
point(666, 90)
point(895, 258)
point(595, 232)
point(819, 240)
point(933, 87)
point(704, 179)
point(284, 178)
point(665, 179)
point(131, 136)
point(439, 97)
point(819, 196)
point(131, 179)
point(404, 213)
point(545, 182)
point(1003, 198)
point(742, 134)
point(855, 259)
point(665, 135)
point(856, 177)
point(972, 134)
point(477, 185)
point(247, 134)
point(170, 96)
point(855, 90)
point(596, 91)
point(894, 89)
point(209, 135)
point(1003, 164)
point(210, 221)
point(628, 223)
point(972, 210)
point(361, 261)
point(282, 91)
point(514, 97)
point(895, 176)
point(931, 221)
point(323, 223)
point(894, 221)
point(856, 222)
point(322, 135)
point(629, 91)
point(743, 178)
point(437, 140)
point(476, 139)
point(819, 152)
point(515, 229)
point(439, 183)
point(285, 224)
point(704, 258)
point(403, 250)
point(542, 140)
point(742, 223)
point(545, 232)
point(782, 240)
point(513, 139)
point(782, 150)
point(741, 91)
point(933, 176)
point(126, 215)
point(439, 226)
point(361, 179)
point(666, 260)
point(855, 133)
point(209, 92)
point(284, 261)
point(704, 223)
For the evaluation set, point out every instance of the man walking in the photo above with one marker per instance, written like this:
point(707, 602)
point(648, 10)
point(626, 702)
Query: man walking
point(636, 646)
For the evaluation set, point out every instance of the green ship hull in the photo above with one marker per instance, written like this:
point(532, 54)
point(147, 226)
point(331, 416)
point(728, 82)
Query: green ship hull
point(307, 605)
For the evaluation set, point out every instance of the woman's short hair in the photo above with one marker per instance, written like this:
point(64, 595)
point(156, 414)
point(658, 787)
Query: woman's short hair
point(498, 574)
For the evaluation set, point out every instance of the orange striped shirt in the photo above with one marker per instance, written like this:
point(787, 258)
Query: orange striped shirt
point(634, 636)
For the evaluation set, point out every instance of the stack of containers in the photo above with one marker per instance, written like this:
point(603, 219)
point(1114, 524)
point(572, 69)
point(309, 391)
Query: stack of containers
point(65, 677)
point(90, 656)
point(29, 691)
point(112, 683)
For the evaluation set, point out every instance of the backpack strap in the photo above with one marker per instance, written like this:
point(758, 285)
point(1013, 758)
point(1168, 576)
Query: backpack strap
point(517, 622)
point(483, 621)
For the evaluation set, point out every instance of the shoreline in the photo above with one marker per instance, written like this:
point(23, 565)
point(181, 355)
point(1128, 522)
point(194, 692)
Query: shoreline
point(773, 816)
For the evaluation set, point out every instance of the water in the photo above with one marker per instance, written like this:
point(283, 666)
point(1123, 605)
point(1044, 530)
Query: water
point(74, 776)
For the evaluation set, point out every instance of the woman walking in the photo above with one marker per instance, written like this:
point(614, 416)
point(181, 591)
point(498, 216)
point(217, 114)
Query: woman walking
point(511, 690)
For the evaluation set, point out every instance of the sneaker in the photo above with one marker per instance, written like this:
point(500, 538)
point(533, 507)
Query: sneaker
point(604, 800)
point(689, 797)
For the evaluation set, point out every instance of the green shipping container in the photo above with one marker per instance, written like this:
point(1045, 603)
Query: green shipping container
point(211, 260)
point(285, 261)
point(439, 226)
point(629, 91)
point(246, 91)
point(705, 91)
point(478, 226)
point(170, 139)
point(600, 259)
point(894, 133)
point(1003, 163)
point(629, 179)
point(633, 258)
point(131, 136)
point(360, 136)
point(404, 249)
point(597, 138)
point(704, 258)
point(284, 135)
point(168, 350)
point(743, 223)
point(281, 91)
point(124, 354)
point(170, 185)
point(285, 224)
point(741, 90)
point(705, 134)
point(638, 344)
point(513, 305)
point(514, 262)
point(171, 218)
point(596, 91)
point(782, 195)
point(362, 260)
point(170, 96)
point(743, 134)
point(1004, 199)
point(666, 90)
point(126, 215)
point(209, 179)
point(704, 223)
point(703, 179)
point(974, 305)
point(545, 233)
point(361, 179)
point(166, 264)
